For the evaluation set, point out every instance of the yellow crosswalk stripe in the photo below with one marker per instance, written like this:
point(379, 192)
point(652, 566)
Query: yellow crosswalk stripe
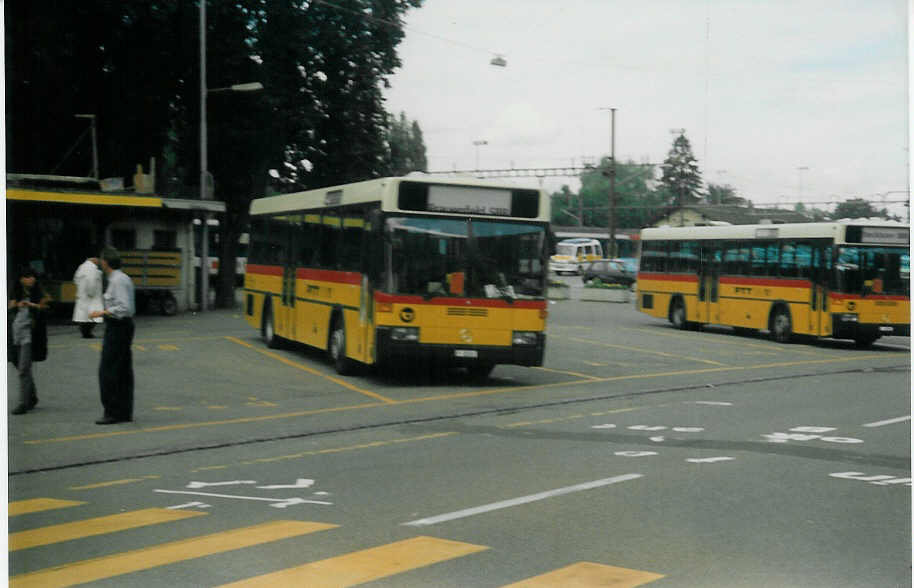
point(588, 575)
point(97, 526)
point(366, 565)
point(21, 507)
point(144, 559)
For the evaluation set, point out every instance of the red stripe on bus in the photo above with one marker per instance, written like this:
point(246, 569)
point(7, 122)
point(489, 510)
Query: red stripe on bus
point(839, 296)
point(263, 270)
point(467, 302)
point(329, 276)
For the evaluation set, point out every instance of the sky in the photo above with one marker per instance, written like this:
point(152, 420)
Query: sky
point(785, 100)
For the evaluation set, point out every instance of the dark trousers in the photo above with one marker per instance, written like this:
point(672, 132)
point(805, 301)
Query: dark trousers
point(115, 372)
point(86, 329)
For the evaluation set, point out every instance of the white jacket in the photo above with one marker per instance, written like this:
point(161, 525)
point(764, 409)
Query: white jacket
point(88, 280)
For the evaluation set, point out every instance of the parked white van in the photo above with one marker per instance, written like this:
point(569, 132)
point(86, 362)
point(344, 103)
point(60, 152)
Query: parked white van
point(571, 255)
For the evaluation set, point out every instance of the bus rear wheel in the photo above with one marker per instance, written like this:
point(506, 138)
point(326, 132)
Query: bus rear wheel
point(781, 328)
point(863, 341)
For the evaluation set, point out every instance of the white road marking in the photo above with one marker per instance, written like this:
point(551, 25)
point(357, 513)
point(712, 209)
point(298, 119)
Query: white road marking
point(195, 485)
point(888, 422)
point(468, 512)
point(277, 502)
point(300, 483)
point(188, 505)
point(709, 459)
point(713, 403)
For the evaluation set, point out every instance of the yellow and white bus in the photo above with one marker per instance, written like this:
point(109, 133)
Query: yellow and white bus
point(413, 268)
point(847, 279)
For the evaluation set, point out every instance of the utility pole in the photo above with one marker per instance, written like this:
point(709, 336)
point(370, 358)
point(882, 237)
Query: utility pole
point(612, 182)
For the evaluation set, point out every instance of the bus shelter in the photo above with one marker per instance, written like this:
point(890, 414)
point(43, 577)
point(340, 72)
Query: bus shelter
point(53, 229)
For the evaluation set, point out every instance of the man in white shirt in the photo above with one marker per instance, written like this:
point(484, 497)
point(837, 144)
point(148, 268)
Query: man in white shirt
point(88, 280)
point(115, 372)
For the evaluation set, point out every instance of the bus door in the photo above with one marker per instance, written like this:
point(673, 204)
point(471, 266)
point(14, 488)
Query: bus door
point(709, 283)
point(818, 292)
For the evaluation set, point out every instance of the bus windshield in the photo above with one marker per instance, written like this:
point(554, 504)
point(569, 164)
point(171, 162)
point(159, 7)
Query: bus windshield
point(873, 270)
point(465, 257)
point(569, 250)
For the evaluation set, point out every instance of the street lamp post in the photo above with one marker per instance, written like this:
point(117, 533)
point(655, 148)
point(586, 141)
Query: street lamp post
point(612, 182)
point(207, 186)
point(477, 144)
point(91, 117)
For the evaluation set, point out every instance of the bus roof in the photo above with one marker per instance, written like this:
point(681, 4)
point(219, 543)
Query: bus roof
point(386, 192)
point(579, 241)
point(830, 230)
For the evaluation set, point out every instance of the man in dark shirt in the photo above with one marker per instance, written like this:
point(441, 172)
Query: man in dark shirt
point(115, 372)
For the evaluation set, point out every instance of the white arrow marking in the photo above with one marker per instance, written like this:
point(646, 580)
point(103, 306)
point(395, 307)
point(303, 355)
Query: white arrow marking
point(708, 459)
point(300, 483)
point(606, 426)
point(232, 483)
point(188, 505)
point(658, 439)
point(286, 501)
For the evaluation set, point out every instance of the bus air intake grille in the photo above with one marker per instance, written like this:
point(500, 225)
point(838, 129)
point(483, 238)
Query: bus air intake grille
point(457, 311)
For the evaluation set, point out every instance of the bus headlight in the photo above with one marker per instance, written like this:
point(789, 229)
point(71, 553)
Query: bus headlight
point(849, 317)
point(404, 334)
point(523, 338)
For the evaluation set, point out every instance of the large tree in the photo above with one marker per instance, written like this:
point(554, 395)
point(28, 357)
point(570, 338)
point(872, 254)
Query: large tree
point(406, 147)
point(681, 180)
point(725, 195)
point(635, 201)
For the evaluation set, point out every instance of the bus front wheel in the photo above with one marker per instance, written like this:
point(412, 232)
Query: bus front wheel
point(268, 330)
point(480, 372)
point(337, 349)
point(678, 315)
point(781, 328)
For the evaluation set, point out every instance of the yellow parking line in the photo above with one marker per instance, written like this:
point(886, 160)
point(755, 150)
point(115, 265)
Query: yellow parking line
point(366, 565)
point(92, 570)
point(96, 526)
point(21, 507)
point(642, 350)
point(579, 375)
point(586, 574)
point(313, 371)
point(114, 483)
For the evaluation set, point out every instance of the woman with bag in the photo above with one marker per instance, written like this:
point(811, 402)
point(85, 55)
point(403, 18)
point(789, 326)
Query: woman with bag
point(28, 335)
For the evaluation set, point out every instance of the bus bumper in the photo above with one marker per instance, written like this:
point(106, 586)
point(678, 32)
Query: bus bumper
point(458, 355)
point(845, 327)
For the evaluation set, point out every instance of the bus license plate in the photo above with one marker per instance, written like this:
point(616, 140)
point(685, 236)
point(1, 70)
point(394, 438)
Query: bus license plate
point(466, 353)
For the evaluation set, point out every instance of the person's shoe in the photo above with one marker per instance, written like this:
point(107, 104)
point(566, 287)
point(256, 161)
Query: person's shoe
point(21, 409)
point(107, 421)
point(33, 403)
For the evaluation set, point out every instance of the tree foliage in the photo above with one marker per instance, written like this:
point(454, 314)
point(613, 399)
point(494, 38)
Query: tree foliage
point(725, 195)
point(860, 208)
point(406, 146)
point(681, 180)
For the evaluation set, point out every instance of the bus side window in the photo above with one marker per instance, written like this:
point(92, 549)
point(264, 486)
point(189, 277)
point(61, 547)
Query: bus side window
point(804, 260)
point(330, 240)
point(736, 258)
point(306, 241)
point(788, 266)
point(351, 243)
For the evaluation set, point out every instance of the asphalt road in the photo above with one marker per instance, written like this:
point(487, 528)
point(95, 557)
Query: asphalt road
point(636, 455)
